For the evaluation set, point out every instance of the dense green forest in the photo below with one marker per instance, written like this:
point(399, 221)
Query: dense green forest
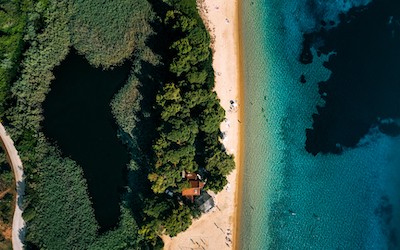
point(188, 131)
point(13, 19)
point(167, 113)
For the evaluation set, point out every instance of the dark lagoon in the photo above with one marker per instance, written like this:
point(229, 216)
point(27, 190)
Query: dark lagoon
point(78, 119)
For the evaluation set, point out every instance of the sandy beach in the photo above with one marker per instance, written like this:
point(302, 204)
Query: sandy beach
point(217, 229)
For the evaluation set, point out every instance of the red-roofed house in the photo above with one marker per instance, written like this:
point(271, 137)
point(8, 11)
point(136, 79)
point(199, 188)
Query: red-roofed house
point(195, 186)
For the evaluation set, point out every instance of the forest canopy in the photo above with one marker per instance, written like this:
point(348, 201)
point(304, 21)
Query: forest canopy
point(13, 18)
point(188, 131)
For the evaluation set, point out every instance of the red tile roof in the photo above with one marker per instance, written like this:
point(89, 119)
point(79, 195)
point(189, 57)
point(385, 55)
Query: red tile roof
point(195, 186)
point(191, 192)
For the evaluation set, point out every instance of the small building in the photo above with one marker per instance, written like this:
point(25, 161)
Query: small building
point(205, 202)
point(195, 186)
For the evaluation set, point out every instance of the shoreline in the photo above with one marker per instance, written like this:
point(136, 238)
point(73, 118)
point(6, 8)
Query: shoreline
point(219, 228)
point(241, 149)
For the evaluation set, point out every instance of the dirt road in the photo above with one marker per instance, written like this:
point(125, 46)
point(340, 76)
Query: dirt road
point(18, 225)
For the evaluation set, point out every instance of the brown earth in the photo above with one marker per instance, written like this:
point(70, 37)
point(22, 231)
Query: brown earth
point(4, 193)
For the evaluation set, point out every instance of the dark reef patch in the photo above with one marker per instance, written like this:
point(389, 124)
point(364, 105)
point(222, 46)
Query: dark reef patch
point(364, 86)
point(303, 79)
point(78, 118)
point(385, 212)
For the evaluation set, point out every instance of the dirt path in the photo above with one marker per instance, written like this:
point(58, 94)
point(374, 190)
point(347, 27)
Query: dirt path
point(4, 193)
point(18, 225)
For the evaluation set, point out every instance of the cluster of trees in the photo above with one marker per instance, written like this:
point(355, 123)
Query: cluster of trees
point(107, 32)
point(163, 215)
point(189, 109)
point(12, 23)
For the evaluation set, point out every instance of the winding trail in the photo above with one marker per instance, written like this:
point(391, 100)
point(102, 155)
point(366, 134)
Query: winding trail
point(18, 225)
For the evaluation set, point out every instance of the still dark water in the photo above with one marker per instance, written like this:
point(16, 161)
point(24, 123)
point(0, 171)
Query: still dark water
point(78, 118)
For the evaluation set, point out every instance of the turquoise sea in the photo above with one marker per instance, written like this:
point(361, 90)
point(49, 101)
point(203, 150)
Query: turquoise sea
point(347, 197)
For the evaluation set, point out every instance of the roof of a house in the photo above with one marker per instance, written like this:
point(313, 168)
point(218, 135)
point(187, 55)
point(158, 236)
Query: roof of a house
point(191, 176)
point(191, 192)
point(195, 186)
point(205, 202)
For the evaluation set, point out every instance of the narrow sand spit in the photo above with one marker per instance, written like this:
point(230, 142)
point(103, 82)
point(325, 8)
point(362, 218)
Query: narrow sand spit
point(18, 224)
point(216, 229)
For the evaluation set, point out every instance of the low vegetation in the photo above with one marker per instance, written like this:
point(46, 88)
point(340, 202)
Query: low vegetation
point(57, 207)
point(107, 32)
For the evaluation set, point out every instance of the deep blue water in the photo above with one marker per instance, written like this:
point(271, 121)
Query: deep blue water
point(322, 163)
point(364, 87)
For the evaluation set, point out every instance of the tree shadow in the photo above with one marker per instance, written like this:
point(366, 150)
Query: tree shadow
point(21, 192)
point(151, 77)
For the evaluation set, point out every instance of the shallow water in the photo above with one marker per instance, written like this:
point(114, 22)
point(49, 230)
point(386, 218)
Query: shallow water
point(339, 199)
